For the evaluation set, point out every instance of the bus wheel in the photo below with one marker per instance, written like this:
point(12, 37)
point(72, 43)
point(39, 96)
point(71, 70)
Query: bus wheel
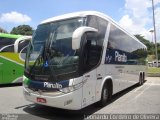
point(140, 79)
point(104, 96)
point(143, 77)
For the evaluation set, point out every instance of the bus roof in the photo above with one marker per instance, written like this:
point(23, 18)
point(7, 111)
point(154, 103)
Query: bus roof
point(86, 13)
point(6, 35)
point(73, 15)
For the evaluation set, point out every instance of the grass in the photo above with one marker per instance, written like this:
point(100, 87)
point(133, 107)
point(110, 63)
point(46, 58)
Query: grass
point(153, 70)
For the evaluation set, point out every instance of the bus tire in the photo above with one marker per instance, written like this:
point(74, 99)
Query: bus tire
point(104, 96)
point(143, 77)
point(140, 80)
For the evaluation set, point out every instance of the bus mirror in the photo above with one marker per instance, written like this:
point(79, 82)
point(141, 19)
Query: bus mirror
point(77, 35)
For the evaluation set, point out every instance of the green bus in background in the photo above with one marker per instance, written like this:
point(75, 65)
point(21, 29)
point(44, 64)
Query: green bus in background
point(12, 56)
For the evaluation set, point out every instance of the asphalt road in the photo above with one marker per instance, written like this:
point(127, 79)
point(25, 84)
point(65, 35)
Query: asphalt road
point(135, 100)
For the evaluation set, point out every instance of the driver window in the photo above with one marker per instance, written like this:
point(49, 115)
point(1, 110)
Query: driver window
point(91, 52)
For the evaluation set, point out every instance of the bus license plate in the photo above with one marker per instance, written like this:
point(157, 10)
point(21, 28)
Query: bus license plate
point(41, 100)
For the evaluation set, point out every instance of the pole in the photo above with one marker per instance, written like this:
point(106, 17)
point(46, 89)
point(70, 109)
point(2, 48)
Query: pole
point(151, 31)
point(155, 32)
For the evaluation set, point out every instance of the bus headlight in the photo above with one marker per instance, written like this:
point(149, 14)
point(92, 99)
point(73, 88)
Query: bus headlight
point(71, 88)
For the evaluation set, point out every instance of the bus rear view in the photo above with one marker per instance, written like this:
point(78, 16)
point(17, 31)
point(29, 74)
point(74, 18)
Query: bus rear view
point(66, 64)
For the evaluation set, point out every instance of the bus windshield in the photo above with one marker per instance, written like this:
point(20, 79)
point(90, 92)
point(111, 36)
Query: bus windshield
point(50, 55)
point(4, 42)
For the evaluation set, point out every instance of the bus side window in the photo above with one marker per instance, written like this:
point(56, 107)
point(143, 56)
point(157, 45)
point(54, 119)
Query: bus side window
point(95, 43)
point(91, 52)
point(92, 22)
point(109, 46)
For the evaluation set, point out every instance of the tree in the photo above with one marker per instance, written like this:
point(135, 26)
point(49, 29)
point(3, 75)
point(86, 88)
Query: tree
point(22, 30)
point(2, 30)
point(150, 46)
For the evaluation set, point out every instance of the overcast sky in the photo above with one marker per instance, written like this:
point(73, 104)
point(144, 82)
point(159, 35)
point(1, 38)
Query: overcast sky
point(133, 15)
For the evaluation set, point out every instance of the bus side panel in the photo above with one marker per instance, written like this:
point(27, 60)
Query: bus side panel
point(117, 77)
point(11, 70)
point(1, 72)
point(132, 74)
point(107, 72)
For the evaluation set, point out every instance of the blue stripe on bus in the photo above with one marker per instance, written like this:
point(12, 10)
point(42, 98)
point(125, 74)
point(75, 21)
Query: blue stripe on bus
point(40, 85)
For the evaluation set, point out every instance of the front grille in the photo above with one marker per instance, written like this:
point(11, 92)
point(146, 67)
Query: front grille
point(41, 77)
point(44, 92)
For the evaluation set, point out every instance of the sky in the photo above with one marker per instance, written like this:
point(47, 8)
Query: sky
point(133, 15)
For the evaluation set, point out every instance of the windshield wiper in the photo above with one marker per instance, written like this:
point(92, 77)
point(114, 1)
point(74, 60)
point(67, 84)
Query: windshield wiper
point(47, 58)
point(44, 58)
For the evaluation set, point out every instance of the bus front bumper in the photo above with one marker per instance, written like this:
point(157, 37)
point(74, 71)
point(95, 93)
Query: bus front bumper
point(71, 101)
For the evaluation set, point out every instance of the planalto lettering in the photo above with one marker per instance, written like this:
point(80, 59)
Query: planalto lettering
point(50, 85)
point(120, 57)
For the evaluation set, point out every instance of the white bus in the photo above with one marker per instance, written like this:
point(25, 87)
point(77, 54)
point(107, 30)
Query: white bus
point(78, 59)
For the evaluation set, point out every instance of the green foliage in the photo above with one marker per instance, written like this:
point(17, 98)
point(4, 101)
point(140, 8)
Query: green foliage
point(22, 30)
point(151, 57)
point(153, 70)
point(150, 46)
